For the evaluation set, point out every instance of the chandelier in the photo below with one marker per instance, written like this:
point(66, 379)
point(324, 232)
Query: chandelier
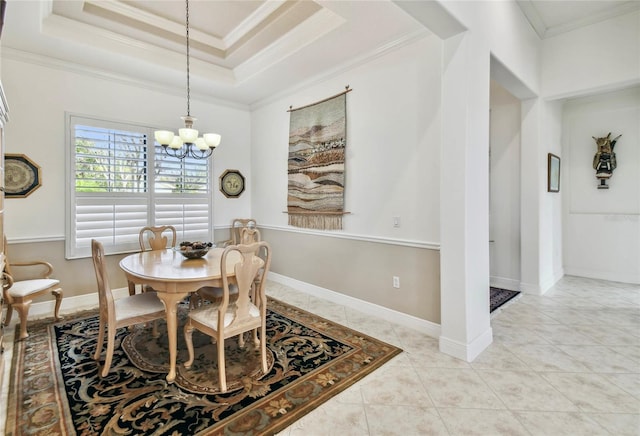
point(187, 143)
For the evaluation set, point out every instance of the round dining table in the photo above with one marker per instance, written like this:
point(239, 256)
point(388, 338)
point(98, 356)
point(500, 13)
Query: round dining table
point(174, 277)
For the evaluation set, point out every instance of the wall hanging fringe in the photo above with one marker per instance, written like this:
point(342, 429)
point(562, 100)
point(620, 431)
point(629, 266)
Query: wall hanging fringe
point(317, 222)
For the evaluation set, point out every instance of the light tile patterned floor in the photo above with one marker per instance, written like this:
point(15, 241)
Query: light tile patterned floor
point(566, 363)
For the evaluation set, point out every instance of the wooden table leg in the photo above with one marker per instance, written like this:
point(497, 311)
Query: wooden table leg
point(170, 301)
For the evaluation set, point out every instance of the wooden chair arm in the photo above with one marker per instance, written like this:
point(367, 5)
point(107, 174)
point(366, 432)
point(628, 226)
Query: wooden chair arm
point(7, 280)
point(47, 265)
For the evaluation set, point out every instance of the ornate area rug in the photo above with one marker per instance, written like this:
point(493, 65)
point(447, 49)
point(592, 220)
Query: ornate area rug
point(499, 297)
point(56, 390)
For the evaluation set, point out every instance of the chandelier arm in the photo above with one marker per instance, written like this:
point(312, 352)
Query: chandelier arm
point(196, 153)
point(171, 152)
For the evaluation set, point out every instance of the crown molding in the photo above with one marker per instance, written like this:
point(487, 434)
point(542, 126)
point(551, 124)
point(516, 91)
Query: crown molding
point(346, 66)
point(252, 21)
point(318, 25)
point(622, 9)
point(533, 17)
point(72, 67)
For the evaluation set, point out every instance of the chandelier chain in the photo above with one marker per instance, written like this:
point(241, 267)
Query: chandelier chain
point(188, 81)
point(187, 144)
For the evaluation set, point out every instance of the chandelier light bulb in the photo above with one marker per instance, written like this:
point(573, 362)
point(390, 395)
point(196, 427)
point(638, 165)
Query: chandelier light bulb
point(188, 136)
point(176, 143)
point(201, 145)
point(212, 139)
point(164, 137)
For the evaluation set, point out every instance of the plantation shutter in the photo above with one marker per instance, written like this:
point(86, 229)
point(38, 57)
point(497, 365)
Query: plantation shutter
point(181, 196)
point(120, 183)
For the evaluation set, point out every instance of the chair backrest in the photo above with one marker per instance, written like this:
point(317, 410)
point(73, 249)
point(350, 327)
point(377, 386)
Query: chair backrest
point(5, 248)
point(236, 228)
point(7, 282)
point(104, 289)
point(246, 271)
point(249, 235)
point(154, 238)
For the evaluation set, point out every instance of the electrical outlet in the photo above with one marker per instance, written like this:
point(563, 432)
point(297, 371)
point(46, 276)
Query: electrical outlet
point(396, 282)
point(396, 221)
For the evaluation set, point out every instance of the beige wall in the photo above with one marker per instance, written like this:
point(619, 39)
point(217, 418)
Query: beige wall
point(76, 276)
point(361, 270)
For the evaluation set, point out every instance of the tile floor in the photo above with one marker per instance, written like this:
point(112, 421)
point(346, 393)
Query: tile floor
point(566, 363)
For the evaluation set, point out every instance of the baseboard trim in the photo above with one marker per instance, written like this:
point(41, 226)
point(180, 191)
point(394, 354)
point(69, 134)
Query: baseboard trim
point(633, 279)
point(424, 326)
point(544, 286)
point(531, 289)
point(467, 352)
point(504, 283)
point(550, 281)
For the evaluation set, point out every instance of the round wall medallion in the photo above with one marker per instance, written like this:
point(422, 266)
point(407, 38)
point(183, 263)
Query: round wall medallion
point(21, 175)
point(232, 183)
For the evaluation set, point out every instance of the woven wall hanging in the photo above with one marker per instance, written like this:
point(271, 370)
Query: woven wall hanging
point(317, 142)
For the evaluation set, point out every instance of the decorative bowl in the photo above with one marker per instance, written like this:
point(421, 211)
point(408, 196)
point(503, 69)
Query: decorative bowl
point(193, 250)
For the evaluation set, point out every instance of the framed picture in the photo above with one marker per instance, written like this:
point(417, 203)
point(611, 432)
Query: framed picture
point(3, 6)
point(553, 173)
point(21, 176)
point(232, 183)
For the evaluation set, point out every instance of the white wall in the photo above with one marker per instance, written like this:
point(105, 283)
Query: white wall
point(506, 32)
point(38, 98)
point(602, 226)
point(504, 209)
point(551, 226)
point(603, 57)
point(392, 153)
point(392, 168)
point(595, 58)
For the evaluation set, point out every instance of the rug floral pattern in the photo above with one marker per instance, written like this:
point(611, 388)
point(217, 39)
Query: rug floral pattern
point(57, 389)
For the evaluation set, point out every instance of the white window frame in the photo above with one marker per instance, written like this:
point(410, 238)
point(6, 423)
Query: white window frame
point(189, 213)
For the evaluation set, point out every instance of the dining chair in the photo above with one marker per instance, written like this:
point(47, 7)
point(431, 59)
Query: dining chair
point(122, 312)
point(247, 235)
point(157, 237)
point(225, 320)
point(236, 228)
point(19, 291)
point(154, 238)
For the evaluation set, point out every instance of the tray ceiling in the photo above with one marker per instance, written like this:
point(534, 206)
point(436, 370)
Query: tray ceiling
point(241, 51)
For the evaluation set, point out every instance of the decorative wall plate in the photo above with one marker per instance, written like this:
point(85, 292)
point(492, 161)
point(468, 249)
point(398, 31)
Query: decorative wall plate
point(21, 176)
point(232, 183)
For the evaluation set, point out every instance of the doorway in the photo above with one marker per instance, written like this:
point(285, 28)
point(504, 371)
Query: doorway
point(504, 189)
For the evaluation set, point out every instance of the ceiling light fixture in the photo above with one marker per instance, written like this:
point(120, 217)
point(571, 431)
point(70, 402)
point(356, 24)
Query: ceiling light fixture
point(187, 143)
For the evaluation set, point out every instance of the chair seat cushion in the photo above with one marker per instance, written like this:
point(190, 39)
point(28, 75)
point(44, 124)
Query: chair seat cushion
point(24, 288)
point(137, 305)
point(208, 315)
point(214, 294)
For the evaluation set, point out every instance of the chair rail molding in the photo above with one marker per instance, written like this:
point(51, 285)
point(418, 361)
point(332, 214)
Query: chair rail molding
point(427, 245)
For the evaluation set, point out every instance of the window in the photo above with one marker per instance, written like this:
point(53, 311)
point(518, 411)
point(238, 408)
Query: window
point(118, 183)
